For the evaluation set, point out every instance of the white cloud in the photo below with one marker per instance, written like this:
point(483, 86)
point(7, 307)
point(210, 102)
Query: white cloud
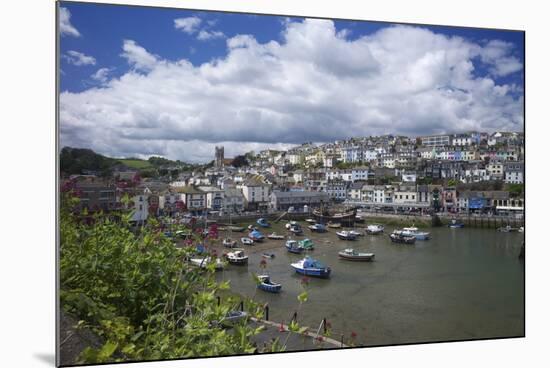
point(188, 25)
point(498, 54)
point(209, 35)
point(102, 75)
point(78, 58)
point(65, 26)
point(137, 56)
point(315, 85)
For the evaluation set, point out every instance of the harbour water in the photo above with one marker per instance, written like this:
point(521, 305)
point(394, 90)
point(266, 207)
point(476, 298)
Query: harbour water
point(461, 284)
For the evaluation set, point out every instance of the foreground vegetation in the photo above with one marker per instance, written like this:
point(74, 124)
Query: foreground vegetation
point(135, 290)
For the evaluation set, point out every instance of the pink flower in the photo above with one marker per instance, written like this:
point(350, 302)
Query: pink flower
point(320, 338)
point(281, 327)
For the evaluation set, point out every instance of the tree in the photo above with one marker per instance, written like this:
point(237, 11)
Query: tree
point(240, 161)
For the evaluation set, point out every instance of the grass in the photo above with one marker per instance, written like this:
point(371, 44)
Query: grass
point(136, 164)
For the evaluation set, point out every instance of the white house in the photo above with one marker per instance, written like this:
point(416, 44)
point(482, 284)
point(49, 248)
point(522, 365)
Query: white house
point(256, 193)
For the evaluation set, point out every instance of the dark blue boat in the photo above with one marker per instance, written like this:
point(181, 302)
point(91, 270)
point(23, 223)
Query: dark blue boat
point(293, 247)
point(311, 267)
point(256, 236)
point(267, 285)
point(263, 222)
point(456, 224)
point(318, 228)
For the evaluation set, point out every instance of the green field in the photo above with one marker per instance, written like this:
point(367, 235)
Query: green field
point(136, 164)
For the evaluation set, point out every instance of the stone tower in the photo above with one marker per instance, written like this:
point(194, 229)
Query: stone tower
point(219, 157)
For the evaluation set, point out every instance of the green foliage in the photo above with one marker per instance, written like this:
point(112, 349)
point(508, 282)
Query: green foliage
point(516, 190)
point(77, 160)
point(135, 290)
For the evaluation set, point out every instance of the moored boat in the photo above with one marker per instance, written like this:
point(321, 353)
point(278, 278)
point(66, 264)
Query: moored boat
point(275, 236)
point(237, 257)
point(311, 267)
point(266, 284)
point(456, 224)
point(413, 231)
point(268, 255)
point(334, 225)
point(205, 261)
point(356, 233)
point(352, 255)
point(318, 228)
point(311, 221)
point(247, 241)
point(237, 229)
point(289, 224)
point(296, 230)
point(398, 237)
point(507, 229)
point(229, 243)
point(293, 247)
point(263, 222)
point(345, 235)
point(347, 217)
point(307, 244)
point(374, 229)
point(256, 236)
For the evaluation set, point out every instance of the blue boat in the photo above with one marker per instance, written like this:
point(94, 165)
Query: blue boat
point(256, 236)
point(318, 228)
point(293, 247)
point(311, 267)
point(266, 284)
point(263, 222)
point(456, 224)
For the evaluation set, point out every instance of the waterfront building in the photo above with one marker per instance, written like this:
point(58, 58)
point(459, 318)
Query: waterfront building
point(193, 198)
point(256, 193)
point(214, 197)
point(282, 200)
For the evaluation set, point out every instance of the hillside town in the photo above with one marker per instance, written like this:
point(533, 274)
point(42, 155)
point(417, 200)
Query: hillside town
point(469, 173)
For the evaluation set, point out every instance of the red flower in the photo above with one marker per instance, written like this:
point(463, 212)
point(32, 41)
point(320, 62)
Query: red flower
point(281, 327)
point(320, 338)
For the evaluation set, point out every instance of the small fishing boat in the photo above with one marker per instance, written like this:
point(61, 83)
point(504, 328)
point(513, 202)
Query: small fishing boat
point(237, 257)
point(268, 255)
point(275, 236)
point(413, 231)
point(263, 222)
point(266, 284)
point(311, 221)
point(356, 233)
point(296, 230)
point(345, 235)
point(293, 247)
point(334, 225)
point(456, 224)
point(205, 261)
point(233, 317)
point(311, 267)
point(307, 244)
point(398, 237)
point(236, 229)
point(290, 224)
point(318, 228)
point(256, 236)
point(229, 243)
point(247, 241)
point(375, 229)
point(352, 255)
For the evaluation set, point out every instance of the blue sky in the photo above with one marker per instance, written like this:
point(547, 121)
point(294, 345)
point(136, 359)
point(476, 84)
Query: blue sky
point(289, 80)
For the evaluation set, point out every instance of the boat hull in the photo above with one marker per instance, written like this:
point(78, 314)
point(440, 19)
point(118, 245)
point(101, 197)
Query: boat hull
point(357, 258)
point(270, 288)
point(315, 272)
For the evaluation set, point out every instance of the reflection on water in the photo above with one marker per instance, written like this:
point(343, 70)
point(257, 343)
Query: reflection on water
point(461, 284)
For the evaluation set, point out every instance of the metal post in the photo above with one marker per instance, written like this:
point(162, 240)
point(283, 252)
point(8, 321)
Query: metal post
point(219, 300)
point(266, 310)
point(325, 325)
point(242, 306)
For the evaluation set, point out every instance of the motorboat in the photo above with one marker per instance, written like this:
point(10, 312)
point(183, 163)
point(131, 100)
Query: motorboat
point(318, 228)
point(237, 229)
point(456, 224)
point(413, 231)
point(256, 236)
point(205, 261)
point(229, 243)
point(375, 229)
point(351, 254)
point(311, 267)
point(263, 222)
point(398, 237)
point(311, 221)
point(290, 224)
point(266, 284)
point(268, 255)
point(359, 219)
point(293, 247)
point(507, 229)
point(247, 241)
point(307, 244)
point(356, 233)
point(296, 230)
point(345, 235)
point(334, 225)
point(237, 257)
point(275, 236)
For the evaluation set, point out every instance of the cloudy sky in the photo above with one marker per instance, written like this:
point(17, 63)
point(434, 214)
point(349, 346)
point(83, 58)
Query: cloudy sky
point(175, 83)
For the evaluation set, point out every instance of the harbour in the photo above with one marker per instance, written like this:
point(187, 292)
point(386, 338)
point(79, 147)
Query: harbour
point(461, 284)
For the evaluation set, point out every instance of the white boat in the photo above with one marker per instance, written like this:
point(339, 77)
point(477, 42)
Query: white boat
point(413, 231)
point(346, 235)
point(237, 257)
point(356, 233)
point(275, 236)
point(205, 261)
point(375, 229)
point(290, 224)
point(311, 267)
point(247, 241)
point(311, 221)
point(521, 229)
point(352, 255)
point(229, 243)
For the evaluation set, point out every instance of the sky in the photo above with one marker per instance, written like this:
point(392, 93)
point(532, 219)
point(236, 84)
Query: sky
point(141, 81)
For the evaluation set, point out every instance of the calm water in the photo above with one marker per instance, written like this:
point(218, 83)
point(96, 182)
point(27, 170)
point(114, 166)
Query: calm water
point(461, 284)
